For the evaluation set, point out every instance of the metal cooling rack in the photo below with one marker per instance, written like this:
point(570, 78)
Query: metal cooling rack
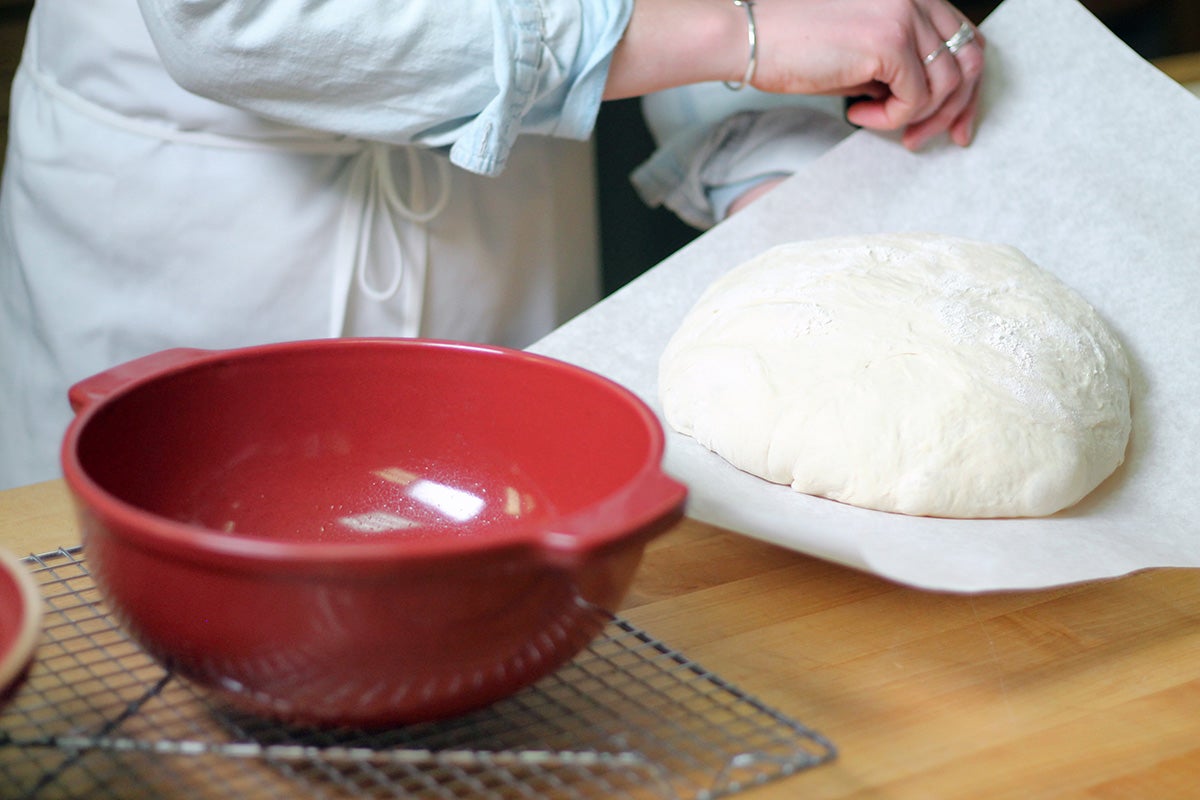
point(628, 718)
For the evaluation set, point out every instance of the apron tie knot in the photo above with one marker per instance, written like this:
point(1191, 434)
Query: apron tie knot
point(377, 265)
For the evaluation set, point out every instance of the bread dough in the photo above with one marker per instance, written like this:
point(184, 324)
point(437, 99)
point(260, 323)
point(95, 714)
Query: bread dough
point(915, 373)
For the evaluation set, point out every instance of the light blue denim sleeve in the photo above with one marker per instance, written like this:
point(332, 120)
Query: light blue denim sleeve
point(714, 144)
point(551, 62)
point(465, 75)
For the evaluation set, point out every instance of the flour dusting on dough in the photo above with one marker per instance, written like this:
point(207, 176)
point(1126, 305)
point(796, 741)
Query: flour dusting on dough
point(916, 373)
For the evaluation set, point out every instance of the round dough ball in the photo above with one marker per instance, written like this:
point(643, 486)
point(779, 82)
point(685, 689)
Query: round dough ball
point(915, 373)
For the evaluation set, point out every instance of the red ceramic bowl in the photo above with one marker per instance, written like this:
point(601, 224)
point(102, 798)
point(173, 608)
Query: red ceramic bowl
point(20, 621)
point(364, 532)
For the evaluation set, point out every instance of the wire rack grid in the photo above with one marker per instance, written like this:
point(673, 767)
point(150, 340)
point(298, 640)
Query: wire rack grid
point(97, 717)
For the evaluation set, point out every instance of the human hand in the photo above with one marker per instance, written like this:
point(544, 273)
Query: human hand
point(882, 50)
point(892, 53)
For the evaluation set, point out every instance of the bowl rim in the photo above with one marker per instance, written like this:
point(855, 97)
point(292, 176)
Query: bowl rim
point(657, 496)
point(17, 651)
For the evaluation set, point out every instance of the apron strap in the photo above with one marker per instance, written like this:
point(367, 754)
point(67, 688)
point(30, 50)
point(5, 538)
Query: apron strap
point(374, 204)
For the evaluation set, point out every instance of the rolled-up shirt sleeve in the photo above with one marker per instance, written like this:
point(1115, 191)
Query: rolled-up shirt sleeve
point(713, 144)
point(466, 75)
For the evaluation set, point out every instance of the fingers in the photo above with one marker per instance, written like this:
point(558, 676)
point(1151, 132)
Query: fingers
point(962, 130)
point(957, 119)
point(954, 68)
point(934, 84)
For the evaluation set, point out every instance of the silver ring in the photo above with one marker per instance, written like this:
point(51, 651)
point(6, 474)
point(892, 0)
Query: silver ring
point(929, 59)
point(962, 37)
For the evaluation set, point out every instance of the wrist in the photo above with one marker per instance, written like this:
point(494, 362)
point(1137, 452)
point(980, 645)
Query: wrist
point(672, 43)
point(751, 46)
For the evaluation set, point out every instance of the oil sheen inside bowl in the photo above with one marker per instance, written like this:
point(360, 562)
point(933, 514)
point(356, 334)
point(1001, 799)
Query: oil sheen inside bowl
point(364, 532)
point(315, 446)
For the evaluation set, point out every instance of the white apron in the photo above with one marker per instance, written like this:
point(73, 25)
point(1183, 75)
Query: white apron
point(136, 216)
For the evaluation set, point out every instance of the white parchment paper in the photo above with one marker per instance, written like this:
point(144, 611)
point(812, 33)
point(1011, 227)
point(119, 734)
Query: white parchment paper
point(1087, 159)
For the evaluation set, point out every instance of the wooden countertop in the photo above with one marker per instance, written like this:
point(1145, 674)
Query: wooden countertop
point(1084, 691)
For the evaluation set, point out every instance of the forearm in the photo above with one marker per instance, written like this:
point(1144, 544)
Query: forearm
point(678, 42)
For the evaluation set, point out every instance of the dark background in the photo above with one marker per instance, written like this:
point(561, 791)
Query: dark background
point(635, 238)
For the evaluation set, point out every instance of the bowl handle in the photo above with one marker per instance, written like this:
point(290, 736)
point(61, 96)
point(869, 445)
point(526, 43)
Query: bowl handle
point(648, 506)
point(102, 385)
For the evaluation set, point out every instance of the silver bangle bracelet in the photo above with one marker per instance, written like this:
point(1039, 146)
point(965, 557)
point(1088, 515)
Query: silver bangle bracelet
point(752, 35)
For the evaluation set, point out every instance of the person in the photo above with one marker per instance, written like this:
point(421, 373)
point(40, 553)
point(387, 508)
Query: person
point(233, 172)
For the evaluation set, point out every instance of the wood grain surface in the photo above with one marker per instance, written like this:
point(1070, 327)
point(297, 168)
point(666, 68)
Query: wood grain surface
point(1088, 691)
